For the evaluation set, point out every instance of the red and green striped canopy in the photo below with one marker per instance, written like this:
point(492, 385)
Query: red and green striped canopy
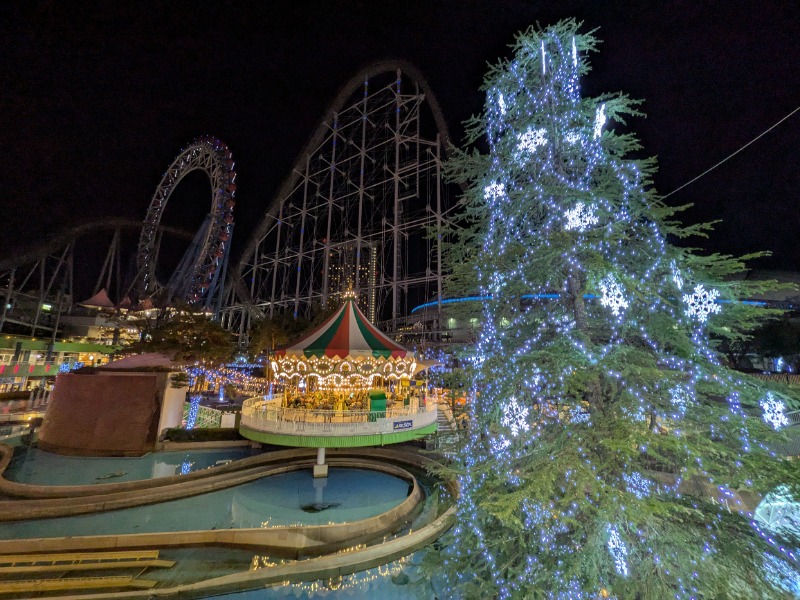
point(346, 333)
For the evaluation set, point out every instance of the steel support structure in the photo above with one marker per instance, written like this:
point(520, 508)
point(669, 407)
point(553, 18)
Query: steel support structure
point(361, 210)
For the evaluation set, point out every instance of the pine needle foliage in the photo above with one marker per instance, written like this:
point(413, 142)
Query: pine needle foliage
point(611, 452)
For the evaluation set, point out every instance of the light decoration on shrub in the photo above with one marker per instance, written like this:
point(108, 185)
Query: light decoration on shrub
point(194, 408)
point(581, 217)
point(515, 417)
point(613, 296)
point(701, 303)
point(774, 411)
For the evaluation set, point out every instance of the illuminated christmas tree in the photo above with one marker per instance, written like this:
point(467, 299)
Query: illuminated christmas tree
point(611, 453)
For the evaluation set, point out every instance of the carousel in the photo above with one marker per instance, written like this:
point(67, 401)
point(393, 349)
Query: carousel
point(345, 384)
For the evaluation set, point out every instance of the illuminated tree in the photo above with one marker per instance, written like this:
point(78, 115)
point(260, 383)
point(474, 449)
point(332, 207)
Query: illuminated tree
point(610, 449)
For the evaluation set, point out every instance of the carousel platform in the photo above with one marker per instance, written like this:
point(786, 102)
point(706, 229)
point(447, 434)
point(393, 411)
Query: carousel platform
point(267, 421)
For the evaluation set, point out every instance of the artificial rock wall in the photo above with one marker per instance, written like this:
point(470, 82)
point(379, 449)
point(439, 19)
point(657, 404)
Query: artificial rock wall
point(104, 414)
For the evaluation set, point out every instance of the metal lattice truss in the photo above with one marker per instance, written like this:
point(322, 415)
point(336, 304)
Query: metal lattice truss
point(199, 275)
point(360, 210)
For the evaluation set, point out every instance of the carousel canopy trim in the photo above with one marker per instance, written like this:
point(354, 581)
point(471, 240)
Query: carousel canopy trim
point(346, 333)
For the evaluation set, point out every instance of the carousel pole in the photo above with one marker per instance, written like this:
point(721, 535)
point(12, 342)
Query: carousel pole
point(320, 469)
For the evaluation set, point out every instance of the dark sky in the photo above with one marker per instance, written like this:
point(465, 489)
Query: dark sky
point(97, 99)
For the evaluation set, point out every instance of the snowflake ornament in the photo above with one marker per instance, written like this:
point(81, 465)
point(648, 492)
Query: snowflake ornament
point(618, 551)
point(515, 417)
point(677, 276)
point(599, 120)
point(701, 303)
point(612, 295)
point(581, 217)
point(774, 411)
point(494, 190)
point(531, 140)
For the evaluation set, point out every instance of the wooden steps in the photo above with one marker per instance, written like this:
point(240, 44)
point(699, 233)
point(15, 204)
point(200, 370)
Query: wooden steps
point(74, 583)
point(64, 563)
point(86, 566)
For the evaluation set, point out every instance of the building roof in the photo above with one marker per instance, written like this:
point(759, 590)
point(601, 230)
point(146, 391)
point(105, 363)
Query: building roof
point(347, 333)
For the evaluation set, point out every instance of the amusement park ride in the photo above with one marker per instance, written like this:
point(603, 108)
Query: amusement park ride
point(362, 209)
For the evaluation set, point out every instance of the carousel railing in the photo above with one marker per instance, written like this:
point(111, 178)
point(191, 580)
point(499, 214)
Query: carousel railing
point(263, 414)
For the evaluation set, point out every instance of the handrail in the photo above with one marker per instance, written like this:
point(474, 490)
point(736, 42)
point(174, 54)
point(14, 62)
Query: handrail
point(263, 414)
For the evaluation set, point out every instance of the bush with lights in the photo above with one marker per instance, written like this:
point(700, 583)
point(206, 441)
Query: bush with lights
point(611, 452)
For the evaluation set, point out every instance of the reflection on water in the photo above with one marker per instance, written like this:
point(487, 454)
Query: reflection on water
point(38, 467)
point(397, 580)
point(271, 501)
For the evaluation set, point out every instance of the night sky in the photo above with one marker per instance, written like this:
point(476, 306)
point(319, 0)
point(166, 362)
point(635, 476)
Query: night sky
point(97, 99)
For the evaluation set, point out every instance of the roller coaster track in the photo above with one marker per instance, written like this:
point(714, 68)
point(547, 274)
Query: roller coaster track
point(264, 279)
point(53, 244)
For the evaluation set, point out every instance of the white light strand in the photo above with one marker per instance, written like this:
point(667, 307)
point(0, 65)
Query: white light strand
point(701, 303)
point(599, 121)
point(574, 53)
point(544, 62)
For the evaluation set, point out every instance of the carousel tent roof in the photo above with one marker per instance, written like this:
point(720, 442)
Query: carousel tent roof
point(347, 333)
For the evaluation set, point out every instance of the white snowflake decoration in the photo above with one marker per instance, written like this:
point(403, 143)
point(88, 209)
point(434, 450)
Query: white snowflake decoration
point(599, 120)
point(701, 303)
point(774, 411)
point(494, 190)
point(677, 276)
point(618, 551)
point(572, 137)
point(581, 217)
point(531, 140)
point(515, 417)
point(612, 295)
